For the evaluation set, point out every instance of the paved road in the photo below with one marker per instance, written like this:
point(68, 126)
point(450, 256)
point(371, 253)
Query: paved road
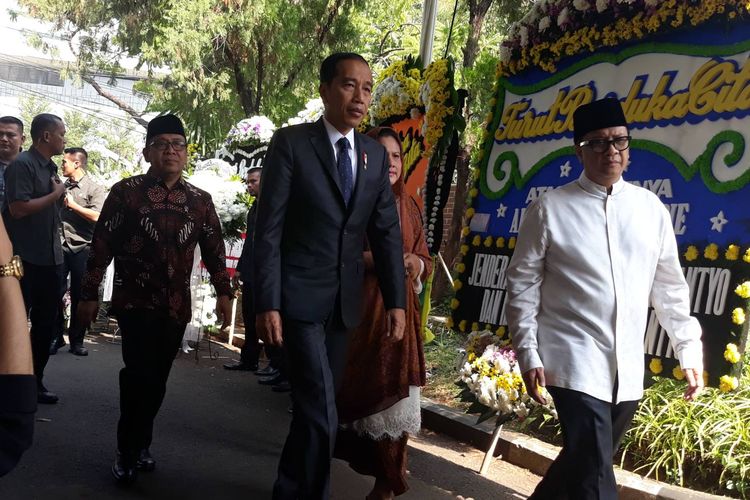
point(219, 435)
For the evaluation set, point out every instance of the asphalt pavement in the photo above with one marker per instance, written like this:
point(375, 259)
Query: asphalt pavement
point(219, 435)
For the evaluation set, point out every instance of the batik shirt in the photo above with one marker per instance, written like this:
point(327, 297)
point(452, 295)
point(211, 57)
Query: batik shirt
point(151, 231)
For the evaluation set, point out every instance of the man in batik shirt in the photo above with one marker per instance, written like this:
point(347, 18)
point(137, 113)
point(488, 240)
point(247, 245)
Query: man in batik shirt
point(150, 224)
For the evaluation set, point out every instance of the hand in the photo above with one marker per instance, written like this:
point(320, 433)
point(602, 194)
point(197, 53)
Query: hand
point(412, 266)
point(533, 379)
point(86, 312)
point(69, 201)
point(236, 279)
point(224, 310)
point(268, 326)
point(395, 322)
point(57, 186)
point(694, 377)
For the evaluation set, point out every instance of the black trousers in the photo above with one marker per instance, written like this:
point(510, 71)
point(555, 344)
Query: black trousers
point(150, 340)
point(592, 431)
point(316, 357)
point(74, 263)
point(39, 286)
point(251, 349)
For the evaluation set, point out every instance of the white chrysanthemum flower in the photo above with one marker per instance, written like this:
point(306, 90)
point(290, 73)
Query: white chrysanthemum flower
point(581, 5)
point(524, 34)
point(545, 23)
point(563, 17)
point(601, 5)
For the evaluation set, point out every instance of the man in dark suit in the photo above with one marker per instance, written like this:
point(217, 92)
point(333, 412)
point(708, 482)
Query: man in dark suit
point(244, 273)
point(325, 187)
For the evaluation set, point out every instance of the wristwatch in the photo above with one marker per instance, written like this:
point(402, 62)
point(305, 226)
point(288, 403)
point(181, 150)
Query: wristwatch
point(13, 268)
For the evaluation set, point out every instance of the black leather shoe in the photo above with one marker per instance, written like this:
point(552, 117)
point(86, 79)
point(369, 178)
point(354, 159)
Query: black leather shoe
point(240, 367)
point(124, 470)
point(45, 397)
point(271, 380)
point(268, 371)
point(282, 386)
point(56, 344)
point(79, 350)
point(145, 461)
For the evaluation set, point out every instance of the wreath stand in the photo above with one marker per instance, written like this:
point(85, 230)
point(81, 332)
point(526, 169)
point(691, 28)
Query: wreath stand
point(491, 450)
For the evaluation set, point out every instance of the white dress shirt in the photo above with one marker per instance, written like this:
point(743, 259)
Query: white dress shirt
point(585, 266)
point(334, 136)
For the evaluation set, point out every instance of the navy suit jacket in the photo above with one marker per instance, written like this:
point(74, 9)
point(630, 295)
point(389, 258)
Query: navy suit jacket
point(308, 244)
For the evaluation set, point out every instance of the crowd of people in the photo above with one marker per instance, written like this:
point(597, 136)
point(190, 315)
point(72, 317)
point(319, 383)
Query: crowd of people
point(331, 269)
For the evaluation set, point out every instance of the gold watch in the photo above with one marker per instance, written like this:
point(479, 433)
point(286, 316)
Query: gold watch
point(13, 268)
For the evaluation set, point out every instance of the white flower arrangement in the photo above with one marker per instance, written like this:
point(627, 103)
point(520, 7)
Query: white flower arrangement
point(312, 113)
point(228, 194)
point(250, 132)
point(491, 374)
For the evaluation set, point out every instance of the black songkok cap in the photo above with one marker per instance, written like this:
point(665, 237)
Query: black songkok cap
point(165, 124)
point(597, 115)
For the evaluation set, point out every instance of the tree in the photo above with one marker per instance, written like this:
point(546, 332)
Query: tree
point(226, 59)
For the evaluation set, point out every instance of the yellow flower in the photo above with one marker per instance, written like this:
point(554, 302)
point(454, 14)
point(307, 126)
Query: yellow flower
point(728, 383)
point(500, 332)
point(464, 249)
point(457, 284)
point(462, 325)
point(705, 377)
point(488, 241)
point(471, 357)
point(691, 253)
point(465, 231)
point(454, 304)
point(476, 241)
point(500, 242)
point(460, 267)
point(743, 290)
point(732, 253)
point(473, 192)
point(678, 373)
point(449, 322)
point(746, 257)
point(731, 353)
point(738, 316)
point(711, 252)
point(469, 213)
point(475, 327)
point(655, 366)
point(512, 242)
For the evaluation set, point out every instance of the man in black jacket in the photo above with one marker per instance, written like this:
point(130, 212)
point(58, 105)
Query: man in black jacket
point(244, 273)
point(325, 187)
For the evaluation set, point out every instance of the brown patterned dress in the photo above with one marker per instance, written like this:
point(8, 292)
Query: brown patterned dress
point(378, 403)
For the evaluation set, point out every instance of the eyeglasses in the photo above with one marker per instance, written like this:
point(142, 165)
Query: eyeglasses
point(164, 145)
point(602, 145)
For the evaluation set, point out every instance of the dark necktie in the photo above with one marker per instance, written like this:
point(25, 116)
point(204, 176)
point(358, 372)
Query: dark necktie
point(345, 168)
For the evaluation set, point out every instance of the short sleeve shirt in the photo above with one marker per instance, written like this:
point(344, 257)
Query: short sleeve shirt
point(77, 230)
point(37, 238)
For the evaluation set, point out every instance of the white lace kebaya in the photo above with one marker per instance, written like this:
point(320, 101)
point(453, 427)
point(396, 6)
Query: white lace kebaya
point(585, 266)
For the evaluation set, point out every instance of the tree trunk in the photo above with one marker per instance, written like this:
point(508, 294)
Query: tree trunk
point(442, 287)
point(477, 12)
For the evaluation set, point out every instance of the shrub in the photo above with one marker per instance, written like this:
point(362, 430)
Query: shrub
point(703, 444)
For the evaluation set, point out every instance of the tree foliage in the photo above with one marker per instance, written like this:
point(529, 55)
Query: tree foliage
point(212, 61)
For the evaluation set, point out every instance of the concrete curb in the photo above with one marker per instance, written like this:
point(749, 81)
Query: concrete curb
point(536, 456)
